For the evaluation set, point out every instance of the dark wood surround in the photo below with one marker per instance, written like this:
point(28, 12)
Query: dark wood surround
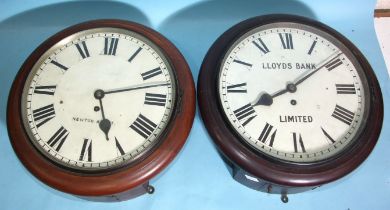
point(277, 176)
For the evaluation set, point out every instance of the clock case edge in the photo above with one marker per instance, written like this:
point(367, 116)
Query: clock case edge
point(266, 174)
point(126, 182)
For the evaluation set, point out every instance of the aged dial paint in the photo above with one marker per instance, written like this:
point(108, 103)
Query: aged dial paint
point(98, 99)
point(292, 92)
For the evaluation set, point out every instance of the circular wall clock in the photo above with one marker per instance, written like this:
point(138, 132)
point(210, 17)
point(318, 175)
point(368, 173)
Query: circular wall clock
point(290, 103)
point(100, 108)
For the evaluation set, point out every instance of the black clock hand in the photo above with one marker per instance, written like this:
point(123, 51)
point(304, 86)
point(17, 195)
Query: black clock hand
point(136, 87)
point(266, 99)
point(306, 75)
point(104, 124)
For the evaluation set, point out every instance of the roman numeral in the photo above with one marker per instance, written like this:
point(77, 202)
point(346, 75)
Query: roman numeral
point(151, 73)
point(345, 89)
point(298, 143)
point(287, 42)
point(119, 147)
point(246, 113)
point(333, 64)
point(83, 50)
point(242, 63)
point(58, 139)
point(155, 99)
point(237, 88)
point(262, 47)
point(135, 54)
point(328, 137)
point(312, 47)
point(343, 114)
point(43, 114)
point(47, 90)
point(143, 126)
point(86, 150)
point(265, 133)
point(59, 65)
point(113, 42)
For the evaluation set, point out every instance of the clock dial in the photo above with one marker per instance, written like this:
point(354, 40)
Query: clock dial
point(293, 92)
point(100, 108)
point(289, 102)
point(98, 99)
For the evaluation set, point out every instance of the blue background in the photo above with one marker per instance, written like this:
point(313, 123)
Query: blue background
point(197, 178)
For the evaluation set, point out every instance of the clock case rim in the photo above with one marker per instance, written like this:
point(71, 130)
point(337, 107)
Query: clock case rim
point(118, 180)
point(280, 172)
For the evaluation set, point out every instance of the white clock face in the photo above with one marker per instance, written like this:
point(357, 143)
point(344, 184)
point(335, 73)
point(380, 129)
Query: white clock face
point(293, 92)
point(98, 99)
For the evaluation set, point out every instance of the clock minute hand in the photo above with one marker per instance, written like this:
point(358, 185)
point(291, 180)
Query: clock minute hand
point(136, 87)
point(321, 65)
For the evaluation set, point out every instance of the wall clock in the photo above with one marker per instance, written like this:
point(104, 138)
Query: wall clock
point(100, 108)
point(290, 103)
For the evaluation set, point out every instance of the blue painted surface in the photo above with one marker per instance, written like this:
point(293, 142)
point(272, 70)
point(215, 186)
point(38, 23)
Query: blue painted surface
point(197, 178)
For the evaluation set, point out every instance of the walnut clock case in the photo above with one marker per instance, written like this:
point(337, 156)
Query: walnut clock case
point(100, 108)
point(289, 102)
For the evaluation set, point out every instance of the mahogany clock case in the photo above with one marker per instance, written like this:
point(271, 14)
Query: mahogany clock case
point(128, 180)
point(274, 175)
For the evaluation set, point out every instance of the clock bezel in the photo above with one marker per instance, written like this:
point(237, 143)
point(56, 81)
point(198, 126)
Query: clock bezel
point(116, 180)
point(270, 169)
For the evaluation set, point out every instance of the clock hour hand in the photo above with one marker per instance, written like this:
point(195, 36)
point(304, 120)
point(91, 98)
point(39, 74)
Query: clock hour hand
point(137, 87)
point(104, 124)
point(266, 99)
